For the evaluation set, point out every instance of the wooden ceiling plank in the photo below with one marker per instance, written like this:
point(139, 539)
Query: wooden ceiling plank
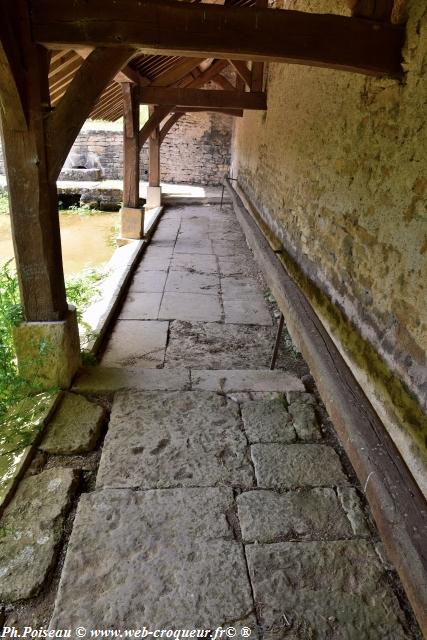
point(176, 73)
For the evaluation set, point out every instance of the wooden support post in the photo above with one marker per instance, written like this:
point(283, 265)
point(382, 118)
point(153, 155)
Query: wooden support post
point(132, 216)
point(130, 145)
point(32, 192)
point(154, 190)
point(47, 342)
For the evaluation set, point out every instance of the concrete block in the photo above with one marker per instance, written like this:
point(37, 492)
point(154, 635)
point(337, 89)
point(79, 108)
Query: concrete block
point(154, 197)
point(48, 353)
point(132, 223)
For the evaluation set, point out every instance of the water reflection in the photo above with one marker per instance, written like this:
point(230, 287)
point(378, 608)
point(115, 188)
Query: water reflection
point(87, 241)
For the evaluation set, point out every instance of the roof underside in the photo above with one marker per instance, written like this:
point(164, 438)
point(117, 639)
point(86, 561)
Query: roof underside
point(65, 63)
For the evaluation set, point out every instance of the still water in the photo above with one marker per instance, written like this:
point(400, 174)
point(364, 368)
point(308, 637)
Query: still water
point(87, 241)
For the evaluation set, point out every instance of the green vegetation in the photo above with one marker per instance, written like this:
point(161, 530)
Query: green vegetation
point(81, 291)
point(4, 203)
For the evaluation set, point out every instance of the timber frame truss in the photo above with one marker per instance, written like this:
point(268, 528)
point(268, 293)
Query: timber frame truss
point(60, 64)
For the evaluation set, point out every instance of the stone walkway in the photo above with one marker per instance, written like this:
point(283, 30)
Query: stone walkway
point(222, 498)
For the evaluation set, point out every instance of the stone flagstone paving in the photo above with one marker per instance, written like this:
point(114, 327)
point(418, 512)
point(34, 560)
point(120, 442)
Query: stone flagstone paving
point(220, 500)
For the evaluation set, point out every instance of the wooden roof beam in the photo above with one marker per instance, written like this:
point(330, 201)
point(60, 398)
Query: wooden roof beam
point(127, 74)
point(237, 113)
point(210, 30)
point(203, 98)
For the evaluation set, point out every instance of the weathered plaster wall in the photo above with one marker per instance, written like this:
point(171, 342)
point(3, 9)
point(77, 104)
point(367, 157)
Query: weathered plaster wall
point(337, 165)
point(197, 150)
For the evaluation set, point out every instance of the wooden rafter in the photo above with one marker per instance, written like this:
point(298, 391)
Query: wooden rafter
point(170, 122)
point(203, 98)
point(64, 123)
point(222, 82)
point(243, 72)
point(176, 73)
point(210, 30)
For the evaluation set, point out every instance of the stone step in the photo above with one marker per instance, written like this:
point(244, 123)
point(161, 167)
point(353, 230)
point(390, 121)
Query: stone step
point(98, 379)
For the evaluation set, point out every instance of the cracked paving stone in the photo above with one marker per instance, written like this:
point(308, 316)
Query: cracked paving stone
point(267, 421)
point(137, 343)
point(30, 531)
point(218, 346)
point(279, 466)
point(161, 557)
point(162, 440)
point(75, 427)
point(314, 514)
point(304, 416)
point(335, 590)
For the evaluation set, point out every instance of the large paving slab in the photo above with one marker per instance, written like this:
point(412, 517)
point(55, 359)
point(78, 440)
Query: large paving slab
point(212, 345)
point(240, 288)
point(279, 466)
point(186, 282)
point(137, 343)
point(163, 440)
point(236, 265)
point(30, 531)
point(251, 312)
point(141, 306)
point(148, 282)
point(314, 514)
point(106, 379)
point(327, 590)
point(162, 559)
point(75, 428)
point(194, 263)
point(191, 307)
point(267, 421)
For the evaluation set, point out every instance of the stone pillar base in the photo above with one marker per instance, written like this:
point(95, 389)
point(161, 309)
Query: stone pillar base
point(132, 223)
point(154, 197)
point(48, 353)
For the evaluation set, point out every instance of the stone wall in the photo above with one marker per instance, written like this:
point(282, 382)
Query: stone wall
point(196, 151)
point(337, 166)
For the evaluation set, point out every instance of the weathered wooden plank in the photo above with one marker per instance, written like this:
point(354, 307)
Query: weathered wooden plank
point(203, 98)
point(210, 30)
point(399, 508)
point(65, 122)
point(130, 145)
